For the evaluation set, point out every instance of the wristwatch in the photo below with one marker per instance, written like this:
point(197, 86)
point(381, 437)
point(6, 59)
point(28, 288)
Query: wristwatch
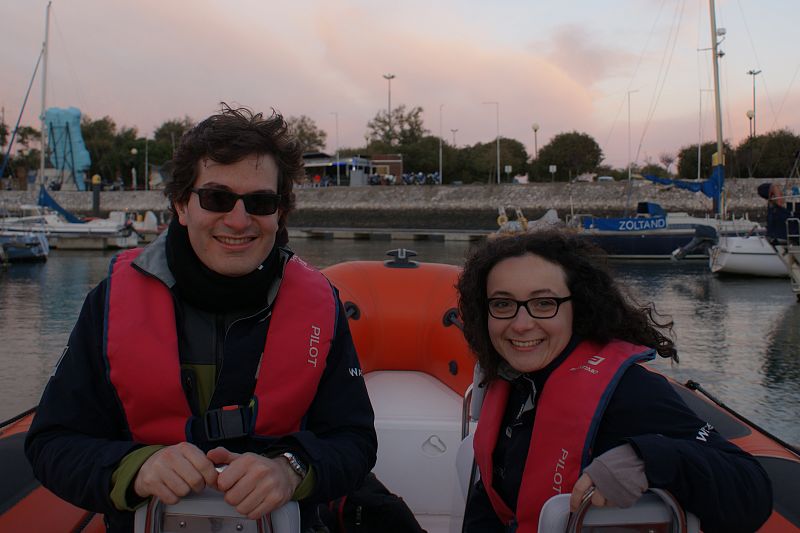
point(295, 464)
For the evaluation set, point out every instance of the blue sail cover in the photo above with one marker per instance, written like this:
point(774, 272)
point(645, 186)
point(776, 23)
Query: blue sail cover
point(45, 200)
point(712, 187)
point(67, 150)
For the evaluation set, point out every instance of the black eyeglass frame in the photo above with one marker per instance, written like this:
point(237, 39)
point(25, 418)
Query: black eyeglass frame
point(247, 198)
point(524, 303)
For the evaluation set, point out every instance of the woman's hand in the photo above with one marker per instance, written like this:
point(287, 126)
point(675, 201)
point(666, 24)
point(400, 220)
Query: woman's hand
point(580, 489)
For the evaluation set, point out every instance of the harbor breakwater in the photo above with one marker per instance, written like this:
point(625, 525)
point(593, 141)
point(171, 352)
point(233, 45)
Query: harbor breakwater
point(442, 206)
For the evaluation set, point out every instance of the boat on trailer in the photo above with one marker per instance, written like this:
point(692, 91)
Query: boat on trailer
point(419, 373)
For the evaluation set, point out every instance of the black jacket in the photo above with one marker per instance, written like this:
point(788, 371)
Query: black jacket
point(80, 435)
point(725, 487)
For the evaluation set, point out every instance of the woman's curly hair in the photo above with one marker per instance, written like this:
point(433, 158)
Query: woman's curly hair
point(229, 137)
point(601, 312)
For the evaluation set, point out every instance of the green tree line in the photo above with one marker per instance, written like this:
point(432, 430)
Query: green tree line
point(115, 151)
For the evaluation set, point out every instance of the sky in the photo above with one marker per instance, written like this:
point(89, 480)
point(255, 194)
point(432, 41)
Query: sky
point(568, 65)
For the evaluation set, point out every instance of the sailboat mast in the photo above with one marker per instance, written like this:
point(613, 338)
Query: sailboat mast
point(720, 159)
point(44, 93)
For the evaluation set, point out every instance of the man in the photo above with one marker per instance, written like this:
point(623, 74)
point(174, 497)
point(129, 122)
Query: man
point(213, 345)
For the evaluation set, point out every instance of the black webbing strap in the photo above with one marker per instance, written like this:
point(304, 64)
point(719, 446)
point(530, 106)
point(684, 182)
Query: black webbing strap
point(229, 422)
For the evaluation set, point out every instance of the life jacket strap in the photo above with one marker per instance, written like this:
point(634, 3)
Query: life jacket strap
point(227, 422)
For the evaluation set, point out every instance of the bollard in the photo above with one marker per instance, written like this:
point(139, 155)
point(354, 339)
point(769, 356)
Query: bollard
point(96, 195)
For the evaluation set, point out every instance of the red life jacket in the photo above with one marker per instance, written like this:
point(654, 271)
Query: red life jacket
point(568, 413)
point(141, 347)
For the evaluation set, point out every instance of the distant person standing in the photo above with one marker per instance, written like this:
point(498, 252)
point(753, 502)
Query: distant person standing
point(213, 345)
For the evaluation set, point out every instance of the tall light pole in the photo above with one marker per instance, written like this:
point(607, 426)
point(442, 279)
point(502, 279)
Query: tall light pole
point(453, 131)
point(629, 132)
point(441, 178)
point(497, 114)
point(336, 115)
point(754, 73)
point(389, 78)
point(750, 116)
point(535, 140)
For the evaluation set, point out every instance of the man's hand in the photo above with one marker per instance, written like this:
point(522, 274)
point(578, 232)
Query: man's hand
point(172, 472)
point(583, 484)
point(253, 484)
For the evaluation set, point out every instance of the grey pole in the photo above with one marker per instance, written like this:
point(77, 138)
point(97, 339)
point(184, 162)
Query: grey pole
point(389, 78)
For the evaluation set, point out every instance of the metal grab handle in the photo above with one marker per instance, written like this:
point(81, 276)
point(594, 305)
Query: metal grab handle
point(155, 511)
point(575, 523)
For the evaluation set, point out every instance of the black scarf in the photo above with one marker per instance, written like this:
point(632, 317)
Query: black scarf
point(205, 289)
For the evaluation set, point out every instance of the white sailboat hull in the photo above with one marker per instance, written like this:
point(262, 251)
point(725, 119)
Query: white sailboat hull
point(750, 256)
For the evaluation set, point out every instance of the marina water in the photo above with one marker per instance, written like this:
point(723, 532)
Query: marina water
point(738, 337)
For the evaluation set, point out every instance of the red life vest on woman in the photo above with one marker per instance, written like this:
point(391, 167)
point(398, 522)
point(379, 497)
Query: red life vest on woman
point(141, 348)
point(568, 412)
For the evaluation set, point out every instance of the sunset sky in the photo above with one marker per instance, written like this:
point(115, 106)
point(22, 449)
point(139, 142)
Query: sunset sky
point(566, 65)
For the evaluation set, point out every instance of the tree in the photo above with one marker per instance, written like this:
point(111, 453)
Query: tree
point(687, 160)
point(3, 134)
point(770, 155)
point(667, 160)
point(98, 136)
point(405, 127)
point(311, 138)
point(26, 134)
point(572, 153)
point(651, 169)
point(169, 133)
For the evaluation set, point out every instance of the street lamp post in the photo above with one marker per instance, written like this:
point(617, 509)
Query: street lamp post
point(535, 140)
point(441, 178)
point(389, 78)
point(453, 131)
point(497, 114)
point(750, 116)
point(336, 115)
point(134, 151)
point(754, 73)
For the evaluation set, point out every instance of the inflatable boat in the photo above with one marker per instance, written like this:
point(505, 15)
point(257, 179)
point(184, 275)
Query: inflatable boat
point(419, 373)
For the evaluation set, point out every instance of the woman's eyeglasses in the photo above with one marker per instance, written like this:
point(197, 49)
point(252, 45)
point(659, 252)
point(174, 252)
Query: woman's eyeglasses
point(506, 308)
point(222, 201)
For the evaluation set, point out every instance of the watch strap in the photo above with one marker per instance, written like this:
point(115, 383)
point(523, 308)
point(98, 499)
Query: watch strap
point(295, 464)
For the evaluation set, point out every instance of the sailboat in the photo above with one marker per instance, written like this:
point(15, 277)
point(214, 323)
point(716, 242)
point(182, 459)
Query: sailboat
point(654, 233)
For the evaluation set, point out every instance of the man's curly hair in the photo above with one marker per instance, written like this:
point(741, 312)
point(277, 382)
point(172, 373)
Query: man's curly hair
point(229, 137)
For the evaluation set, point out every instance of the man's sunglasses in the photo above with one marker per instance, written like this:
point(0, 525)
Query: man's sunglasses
point(222, 201)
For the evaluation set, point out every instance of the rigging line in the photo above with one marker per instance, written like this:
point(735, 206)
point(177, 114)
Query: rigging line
point(758, 61)
point(70, 67)
point(662, 78)
point(21, 111)
point(636, 69)
point(702, 29)
point(663, 81)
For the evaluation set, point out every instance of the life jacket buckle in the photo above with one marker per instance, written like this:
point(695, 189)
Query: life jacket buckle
point(227, 422)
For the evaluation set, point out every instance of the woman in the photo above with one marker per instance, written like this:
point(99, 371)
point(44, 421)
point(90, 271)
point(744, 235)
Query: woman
point(568, 408)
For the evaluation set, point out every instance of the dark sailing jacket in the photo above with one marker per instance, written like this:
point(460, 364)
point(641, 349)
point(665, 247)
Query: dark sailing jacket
point(725, 487)
point(80, 433)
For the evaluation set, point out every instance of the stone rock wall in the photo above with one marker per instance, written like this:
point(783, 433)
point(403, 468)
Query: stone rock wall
point(442, 207)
